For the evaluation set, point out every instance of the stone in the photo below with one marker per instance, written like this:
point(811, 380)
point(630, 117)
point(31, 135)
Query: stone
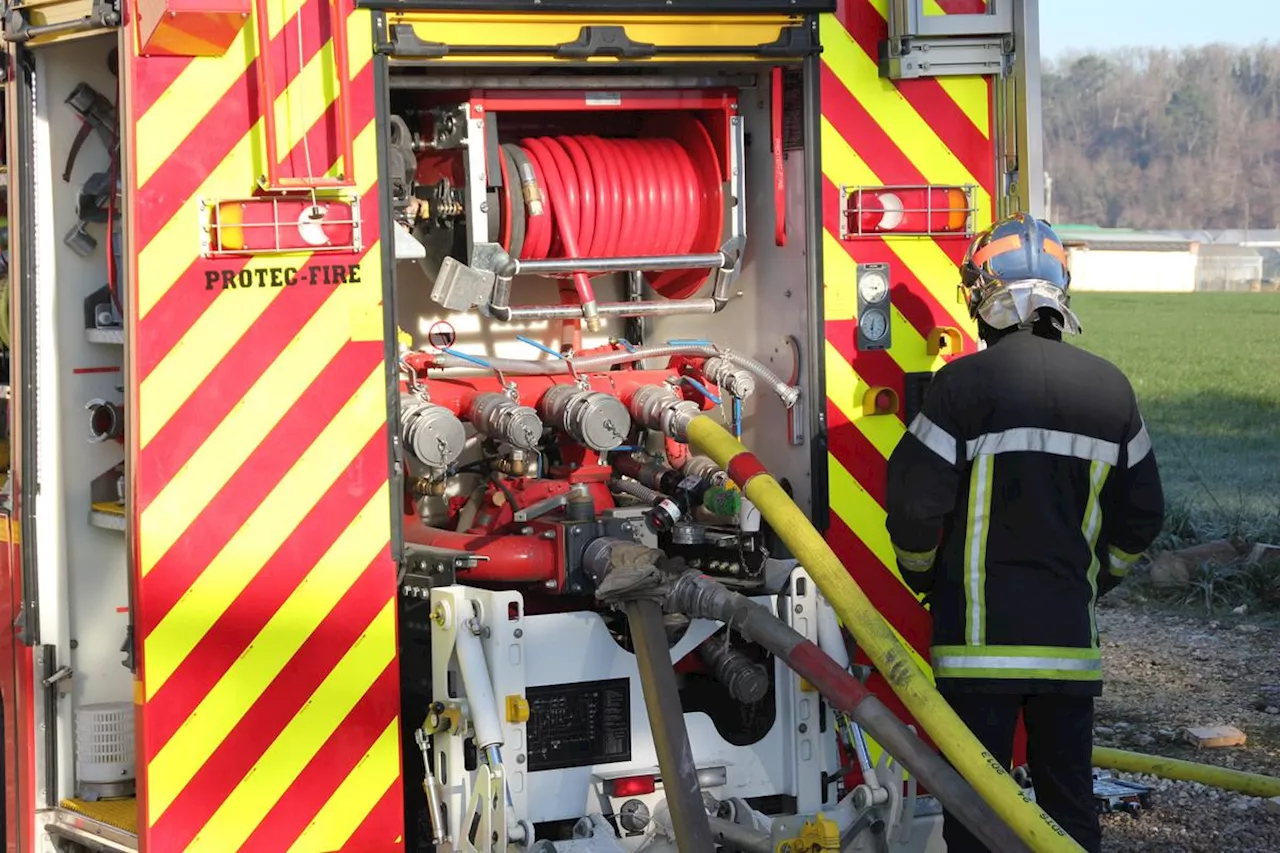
point(1273, 710)
point(1246, 628)
point(1214, 737)
point(1272, 805)
point(1103, 731)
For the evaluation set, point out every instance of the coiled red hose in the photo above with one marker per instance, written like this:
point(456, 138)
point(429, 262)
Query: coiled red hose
point(612, 198)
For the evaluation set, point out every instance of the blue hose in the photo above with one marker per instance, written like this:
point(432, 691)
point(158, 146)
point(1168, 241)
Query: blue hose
point(538, 346)
point(471, 358)
point(703, 389)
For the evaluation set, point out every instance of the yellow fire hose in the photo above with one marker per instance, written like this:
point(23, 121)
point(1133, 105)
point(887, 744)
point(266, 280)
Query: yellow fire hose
point(878, 640)
point(1253, 784)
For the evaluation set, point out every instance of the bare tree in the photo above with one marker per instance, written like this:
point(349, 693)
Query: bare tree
point(1153, 138)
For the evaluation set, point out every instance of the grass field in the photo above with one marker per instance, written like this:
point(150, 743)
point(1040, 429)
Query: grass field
point(1206, 369)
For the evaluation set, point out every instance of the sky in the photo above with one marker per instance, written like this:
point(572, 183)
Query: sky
point(1067, 25)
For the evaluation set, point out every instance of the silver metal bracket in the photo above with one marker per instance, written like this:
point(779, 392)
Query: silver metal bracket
point(541, 508)
point(909, 19)
point(930, 45)
point(914, 58)
point(460, 287)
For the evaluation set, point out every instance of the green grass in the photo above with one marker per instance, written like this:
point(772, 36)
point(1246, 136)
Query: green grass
point(1206, 369)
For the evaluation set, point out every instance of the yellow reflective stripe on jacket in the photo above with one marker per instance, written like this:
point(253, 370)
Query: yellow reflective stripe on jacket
point(975, 551)
point(1091, 527)
point(915, 561)
point(1058, 663)
point(1121, 561)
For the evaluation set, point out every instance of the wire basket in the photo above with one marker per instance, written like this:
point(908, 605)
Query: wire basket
point(104, 743)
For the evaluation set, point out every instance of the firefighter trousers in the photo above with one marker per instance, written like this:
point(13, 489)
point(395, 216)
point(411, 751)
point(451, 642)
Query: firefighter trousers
point(1059, 756)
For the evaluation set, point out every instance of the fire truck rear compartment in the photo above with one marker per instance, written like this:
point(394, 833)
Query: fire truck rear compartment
point(674, 179)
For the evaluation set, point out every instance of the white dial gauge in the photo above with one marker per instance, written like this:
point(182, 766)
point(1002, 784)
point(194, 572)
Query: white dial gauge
point(873, 287)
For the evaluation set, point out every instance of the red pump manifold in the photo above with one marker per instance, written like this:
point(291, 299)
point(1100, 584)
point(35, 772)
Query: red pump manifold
point(511, 559)
point(519, 558)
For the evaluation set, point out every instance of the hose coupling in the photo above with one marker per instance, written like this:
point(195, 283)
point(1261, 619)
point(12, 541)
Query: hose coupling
point(431, 434)
point(658, 408)
point(732, 379)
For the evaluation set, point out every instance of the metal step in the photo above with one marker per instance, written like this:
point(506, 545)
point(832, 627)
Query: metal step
point(108, 826)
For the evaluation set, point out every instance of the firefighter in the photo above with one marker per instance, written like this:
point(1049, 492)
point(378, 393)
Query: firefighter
point(1025, 488)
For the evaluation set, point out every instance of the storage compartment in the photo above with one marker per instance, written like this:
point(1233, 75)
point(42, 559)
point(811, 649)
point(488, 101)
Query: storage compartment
point(542, 219)
point(74, 458)
point(651, 199)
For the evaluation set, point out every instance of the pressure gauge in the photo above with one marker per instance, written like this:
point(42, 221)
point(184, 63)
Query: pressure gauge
point(873, 325)
point(874, 331)
point(873, 287)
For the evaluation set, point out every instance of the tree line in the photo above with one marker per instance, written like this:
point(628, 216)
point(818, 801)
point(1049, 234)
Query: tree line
point(1154, 138)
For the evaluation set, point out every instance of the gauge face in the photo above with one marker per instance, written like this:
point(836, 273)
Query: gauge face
point(873, 287)
point(874, 325)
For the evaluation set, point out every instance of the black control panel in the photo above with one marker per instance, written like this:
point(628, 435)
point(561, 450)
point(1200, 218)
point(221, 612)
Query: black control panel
point(577, 725)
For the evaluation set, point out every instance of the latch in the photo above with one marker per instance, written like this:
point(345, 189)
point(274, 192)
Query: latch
point(127, 648)
point(60, 680)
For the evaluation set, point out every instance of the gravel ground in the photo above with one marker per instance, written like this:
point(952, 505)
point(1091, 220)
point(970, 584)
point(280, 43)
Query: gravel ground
point(1166, 671)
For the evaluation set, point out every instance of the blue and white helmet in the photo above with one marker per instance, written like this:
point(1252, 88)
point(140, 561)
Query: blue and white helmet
point(1014, 270)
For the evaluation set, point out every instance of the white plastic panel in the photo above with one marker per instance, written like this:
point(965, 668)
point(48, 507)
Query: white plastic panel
point(785, 761)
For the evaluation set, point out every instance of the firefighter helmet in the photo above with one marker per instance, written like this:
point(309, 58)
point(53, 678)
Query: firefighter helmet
point(1013, 270)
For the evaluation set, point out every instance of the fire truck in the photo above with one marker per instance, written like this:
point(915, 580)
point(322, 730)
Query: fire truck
point(381, 377)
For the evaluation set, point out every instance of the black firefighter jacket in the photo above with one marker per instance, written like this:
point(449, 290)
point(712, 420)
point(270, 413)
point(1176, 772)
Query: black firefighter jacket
point(1024, 488)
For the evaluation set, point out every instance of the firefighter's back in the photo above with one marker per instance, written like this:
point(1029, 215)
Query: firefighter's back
point(1044, 425)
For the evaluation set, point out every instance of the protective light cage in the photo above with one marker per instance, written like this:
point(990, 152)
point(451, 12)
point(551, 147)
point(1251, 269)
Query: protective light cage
point(280, 224)
point(928, 210)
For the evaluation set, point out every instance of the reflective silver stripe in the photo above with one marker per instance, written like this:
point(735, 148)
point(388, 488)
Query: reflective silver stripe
point(1139, 446)
point(961, 662)
point(1121, 560)
point(915, 561)
point(935, 438)
point(1037, 440)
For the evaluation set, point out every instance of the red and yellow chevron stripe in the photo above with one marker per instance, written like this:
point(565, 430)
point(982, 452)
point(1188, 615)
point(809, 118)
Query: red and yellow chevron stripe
point(268, 696)
point(876, 132)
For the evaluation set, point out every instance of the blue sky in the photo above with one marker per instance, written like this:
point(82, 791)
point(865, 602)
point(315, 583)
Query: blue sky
point(1103, 24)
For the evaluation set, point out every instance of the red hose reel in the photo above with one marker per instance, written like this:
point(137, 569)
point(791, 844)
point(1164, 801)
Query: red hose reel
point(644, 177)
